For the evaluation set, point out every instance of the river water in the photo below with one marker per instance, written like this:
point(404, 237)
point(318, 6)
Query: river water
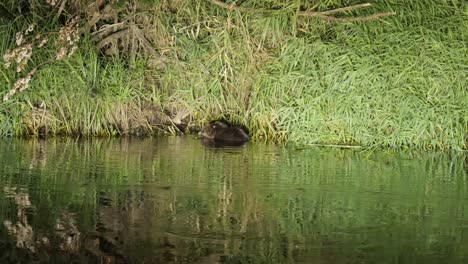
point(174, 200)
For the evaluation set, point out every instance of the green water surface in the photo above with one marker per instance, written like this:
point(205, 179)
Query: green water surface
point(174, 200)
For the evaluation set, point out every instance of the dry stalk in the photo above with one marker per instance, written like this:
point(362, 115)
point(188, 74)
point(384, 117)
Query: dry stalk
point(112, 38)
point(112, 33)
point(143, 41)
point(309, 13)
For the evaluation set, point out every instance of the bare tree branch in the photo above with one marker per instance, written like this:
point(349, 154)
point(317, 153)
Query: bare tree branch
point(62, 6)
point(346, 8)
point(355, 19)
point(233, 7)
point(145, 43)
point(113, 38)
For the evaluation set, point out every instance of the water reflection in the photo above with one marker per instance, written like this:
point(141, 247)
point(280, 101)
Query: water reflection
point(21, 230)
point(173, 200)
point(211, 143)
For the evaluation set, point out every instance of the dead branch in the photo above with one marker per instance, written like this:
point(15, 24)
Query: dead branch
point(107, 30)
point(62, 7)
point(113, 38)
point(99, 13)
point(321, 14)
point(355, 19)
point(143, 41)
point(233, 7)
point(343, 9)
point(112, 33)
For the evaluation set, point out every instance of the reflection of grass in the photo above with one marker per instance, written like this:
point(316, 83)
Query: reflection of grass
point(396, 83)
point(255, 201)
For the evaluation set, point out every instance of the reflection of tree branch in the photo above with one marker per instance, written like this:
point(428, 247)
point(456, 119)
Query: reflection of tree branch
point(67, 230)
point(22, 230)
point(322, 14)
point(23, 233)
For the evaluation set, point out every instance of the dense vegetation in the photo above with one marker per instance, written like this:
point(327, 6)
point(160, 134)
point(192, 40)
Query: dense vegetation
point(397, 81)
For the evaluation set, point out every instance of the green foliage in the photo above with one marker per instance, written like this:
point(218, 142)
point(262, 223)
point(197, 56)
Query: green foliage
point(401, 83)
point(396, 82)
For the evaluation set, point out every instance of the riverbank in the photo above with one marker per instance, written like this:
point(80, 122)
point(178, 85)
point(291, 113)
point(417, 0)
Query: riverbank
point(398, 82)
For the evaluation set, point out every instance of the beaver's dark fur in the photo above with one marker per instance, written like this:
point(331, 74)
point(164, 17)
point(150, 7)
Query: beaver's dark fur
point(221, 132)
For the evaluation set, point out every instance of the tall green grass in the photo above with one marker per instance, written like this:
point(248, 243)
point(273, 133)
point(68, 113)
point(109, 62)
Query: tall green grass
point(80, 96)
point(398, 82)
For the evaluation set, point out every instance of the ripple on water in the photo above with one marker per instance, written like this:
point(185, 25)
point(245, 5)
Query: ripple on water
point(172, 200)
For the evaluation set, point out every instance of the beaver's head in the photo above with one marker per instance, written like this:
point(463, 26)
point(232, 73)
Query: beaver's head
point(210, 130)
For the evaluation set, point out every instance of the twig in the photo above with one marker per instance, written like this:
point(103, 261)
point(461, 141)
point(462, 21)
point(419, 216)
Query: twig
point(62, 6)
point(147, 45)
point(143, 41)
point(322, 14)
point(343, 9)
point(107, 30)
point(351, 19)
point(233, 7)
point(113, 37)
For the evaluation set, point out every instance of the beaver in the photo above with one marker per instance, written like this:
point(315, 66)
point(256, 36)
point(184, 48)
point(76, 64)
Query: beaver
point(223, 133)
